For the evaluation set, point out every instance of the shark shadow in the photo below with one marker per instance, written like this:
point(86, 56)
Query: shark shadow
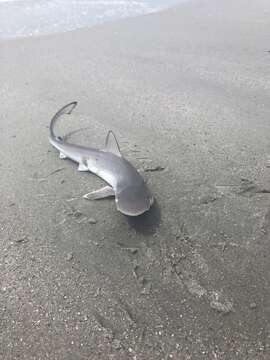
point(147, 223)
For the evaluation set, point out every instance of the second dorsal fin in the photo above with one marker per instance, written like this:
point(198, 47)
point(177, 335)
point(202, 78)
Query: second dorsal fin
point(111, 144)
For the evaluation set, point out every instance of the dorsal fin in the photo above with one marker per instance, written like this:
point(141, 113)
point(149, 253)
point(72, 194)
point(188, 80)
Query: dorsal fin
point(111, 144)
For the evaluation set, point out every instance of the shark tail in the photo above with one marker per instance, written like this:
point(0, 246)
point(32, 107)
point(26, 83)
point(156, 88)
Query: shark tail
point(67, 109)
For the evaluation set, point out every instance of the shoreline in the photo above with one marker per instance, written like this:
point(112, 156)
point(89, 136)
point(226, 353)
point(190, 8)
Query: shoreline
point(187, 90)
point(95, 22)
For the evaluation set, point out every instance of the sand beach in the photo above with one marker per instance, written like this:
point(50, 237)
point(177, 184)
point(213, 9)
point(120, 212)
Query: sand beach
point(186, 91)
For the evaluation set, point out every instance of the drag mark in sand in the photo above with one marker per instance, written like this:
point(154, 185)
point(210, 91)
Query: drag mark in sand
point(191, 270)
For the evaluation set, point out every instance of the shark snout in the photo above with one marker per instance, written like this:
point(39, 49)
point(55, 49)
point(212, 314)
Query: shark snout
point(134, 200)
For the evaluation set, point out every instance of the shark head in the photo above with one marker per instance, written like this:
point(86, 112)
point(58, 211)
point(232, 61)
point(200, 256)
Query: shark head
point(134, 200)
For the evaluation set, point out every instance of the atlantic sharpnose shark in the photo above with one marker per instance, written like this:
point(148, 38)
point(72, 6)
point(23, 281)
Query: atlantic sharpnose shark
point(132, 196)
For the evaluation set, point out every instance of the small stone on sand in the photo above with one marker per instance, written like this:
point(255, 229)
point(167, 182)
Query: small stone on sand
point(253, 305)
point(92, 221)
point(69, 256)
point(21, 239)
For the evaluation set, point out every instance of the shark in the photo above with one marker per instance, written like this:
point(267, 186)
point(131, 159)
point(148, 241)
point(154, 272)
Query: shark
point(124, 182)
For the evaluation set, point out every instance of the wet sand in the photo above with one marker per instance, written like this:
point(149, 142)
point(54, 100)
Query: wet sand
point(188, 90)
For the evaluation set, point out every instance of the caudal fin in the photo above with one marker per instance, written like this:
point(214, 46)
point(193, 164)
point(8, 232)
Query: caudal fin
point(67, 109)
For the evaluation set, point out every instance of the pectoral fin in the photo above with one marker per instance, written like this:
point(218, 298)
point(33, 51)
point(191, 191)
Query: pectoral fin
point(102, 193)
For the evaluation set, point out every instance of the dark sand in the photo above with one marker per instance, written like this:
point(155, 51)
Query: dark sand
point(188, 90)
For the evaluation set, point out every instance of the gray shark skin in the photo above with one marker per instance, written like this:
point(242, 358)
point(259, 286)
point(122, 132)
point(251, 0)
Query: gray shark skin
point(132, 196)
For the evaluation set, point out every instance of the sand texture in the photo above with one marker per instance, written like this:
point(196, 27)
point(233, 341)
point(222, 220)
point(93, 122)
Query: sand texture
point(186, 91)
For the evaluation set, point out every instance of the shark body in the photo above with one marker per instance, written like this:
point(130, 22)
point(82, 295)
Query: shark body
point(125, 183)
